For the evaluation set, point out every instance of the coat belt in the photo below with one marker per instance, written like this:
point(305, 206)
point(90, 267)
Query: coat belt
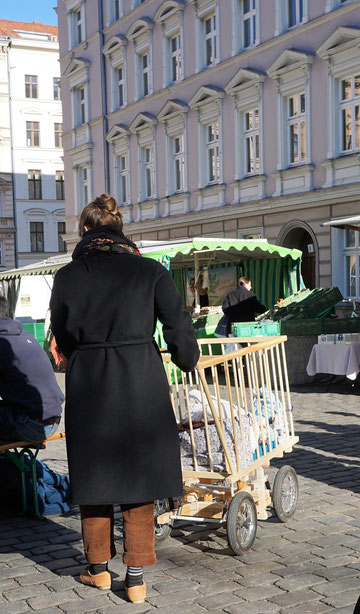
point(114, 344)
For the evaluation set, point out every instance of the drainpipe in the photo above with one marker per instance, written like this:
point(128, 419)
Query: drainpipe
point(12, 154)
point(104, 97)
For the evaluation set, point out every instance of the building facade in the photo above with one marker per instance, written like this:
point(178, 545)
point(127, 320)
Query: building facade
point(7, 224)
point(34, 143)
point(235, 118)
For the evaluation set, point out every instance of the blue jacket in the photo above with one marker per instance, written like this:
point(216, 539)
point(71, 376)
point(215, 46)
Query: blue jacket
point(27, 381)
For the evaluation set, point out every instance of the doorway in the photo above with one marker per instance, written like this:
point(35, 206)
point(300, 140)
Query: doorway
point(298, 237)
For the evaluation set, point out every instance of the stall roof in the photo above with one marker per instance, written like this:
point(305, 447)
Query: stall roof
point(346, 223)
point(219, 250)
point(180, 251)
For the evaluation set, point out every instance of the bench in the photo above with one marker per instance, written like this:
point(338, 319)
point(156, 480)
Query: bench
point(16, 451)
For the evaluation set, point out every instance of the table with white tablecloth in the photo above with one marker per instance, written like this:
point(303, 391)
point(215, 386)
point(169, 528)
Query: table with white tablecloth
point(335, 358)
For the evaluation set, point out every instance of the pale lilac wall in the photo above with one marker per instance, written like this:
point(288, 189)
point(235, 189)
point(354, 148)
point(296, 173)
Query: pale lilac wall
point(302, 39)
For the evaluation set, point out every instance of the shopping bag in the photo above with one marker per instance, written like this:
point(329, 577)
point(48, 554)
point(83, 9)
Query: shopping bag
point(223, 327)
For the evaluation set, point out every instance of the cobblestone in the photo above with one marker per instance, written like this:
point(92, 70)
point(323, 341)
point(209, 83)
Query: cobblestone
point(309, 565)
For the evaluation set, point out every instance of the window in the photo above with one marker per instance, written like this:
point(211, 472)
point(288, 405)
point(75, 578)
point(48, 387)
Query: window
point(56, 88)
point(116, 10)
point(213, 158)
point(148, 169)
point(351, 263)
point(249, 23)
point(61, 231)
point(297, 128)
point(32, 134)
point(209, 24)
point(251, 136)
point(120, 86)
point(175, 49)
point(295, 12)
point(31, 86)
point(290, 14)
point(59, 185)
point(37, 236)
point(58, 134)
point(34, 185)
point(350, 113)
point(80, 106)
point(2, 263)
point(123, 178)
point(76, 26)
point(84, 185)
point(179, 162)
point(145, 69)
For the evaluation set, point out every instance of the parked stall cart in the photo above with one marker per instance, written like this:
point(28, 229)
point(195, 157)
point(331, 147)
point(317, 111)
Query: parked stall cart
point(234, 415)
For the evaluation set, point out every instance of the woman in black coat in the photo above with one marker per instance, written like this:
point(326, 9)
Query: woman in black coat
point(121, 433)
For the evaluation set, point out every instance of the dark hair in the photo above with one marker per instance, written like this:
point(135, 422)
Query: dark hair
point(101, 211)
point(243, 281)
point(4, 307)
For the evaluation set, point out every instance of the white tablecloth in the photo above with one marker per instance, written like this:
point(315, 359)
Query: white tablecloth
point(335, 358)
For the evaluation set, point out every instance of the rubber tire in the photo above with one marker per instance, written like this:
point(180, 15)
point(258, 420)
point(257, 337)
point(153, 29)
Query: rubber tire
point(277, 494)
point(163, 531)
point(232, 522)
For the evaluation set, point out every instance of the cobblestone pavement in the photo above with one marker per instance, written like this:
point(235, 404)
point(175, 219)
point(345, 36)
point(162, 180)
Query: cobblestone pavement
point(310, 565)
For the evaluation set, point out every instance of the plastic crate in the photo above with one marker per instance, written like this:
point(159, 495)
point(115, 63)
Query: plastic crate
point(37, 329)
point(341, 325)
point(255, 329)
point(298, 328)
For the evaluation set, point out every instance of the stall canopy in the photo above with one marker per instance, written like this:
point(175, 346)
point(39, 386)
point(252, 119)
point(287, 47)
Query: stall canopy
point(275, 271)
point(345, 223)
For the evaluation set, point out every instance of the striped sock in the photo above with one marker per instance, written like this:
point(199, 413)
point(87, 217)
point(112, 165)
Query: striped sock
point(134, 576)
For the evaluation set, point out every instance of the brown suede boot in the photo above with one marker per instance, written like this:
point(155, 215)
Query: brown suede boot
point(136, 594)
point(102, 581)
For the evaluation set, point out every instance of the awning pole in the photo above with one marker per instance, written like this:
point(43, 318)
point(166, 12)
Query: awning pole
point(197, 301)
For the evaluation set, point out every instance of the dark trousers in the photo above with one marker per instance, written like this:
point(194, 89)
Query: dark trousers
point(97, 523)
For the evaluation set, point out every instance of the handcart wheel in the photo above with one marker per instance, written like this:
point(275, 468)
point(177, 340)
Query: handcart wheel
point(285, 493)
point(241, 522)
point(162, 531)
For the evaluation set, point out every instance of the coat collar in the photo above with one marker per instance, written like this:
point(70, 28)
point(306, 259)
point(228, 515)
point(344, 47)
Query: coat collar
point(104, 232)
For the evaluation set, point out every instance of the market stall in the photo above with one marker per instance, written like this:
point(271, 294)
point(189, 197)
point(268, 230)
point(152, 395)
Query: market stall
point(275, 272)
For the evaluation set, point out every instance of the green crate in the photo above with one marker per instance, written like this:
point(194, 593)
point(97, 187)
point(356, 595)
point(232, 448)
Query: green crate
point(341, 325)
point(298, 328)
point(255, 329)
point(37, 329)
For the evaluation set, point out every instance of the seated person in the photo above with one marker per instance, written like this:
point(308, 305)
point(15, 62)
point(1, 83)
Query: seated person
point(241, 305)
point(30, 405)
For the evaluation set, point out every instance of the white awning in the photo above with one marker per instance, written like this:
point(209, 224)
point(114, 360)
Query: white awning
point(347, 223)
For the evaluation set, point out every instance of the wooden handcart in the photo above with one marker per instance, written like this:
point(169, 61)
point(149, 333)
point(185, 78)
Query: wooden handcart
point(234, 414)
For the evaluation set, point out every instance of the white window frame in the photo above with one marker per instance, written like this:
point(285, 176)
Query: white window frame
point(78, 75)
point(350, 104)
point(144, 74)
point(170, 15)
point(178, 162)
point(282, 15)
point(340, 53)
point(173, 116)
point(246, 90)
point(115, 11)
point(74, 7)
point(83, 184)
point(296, 121)
point(208, 104)
point(205, 9)
point(212, 139)
point(115, 50)
point(251, 135)
point(291, 73)
point(332, 5)
point(348, 252)
point(119, 138)
point(140, 33)
point(144, 127)
point(239, 17)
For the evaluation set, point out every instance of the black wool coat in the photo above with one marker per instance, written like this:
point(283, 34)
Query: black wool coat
point(121, 434)
point(241, 305)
